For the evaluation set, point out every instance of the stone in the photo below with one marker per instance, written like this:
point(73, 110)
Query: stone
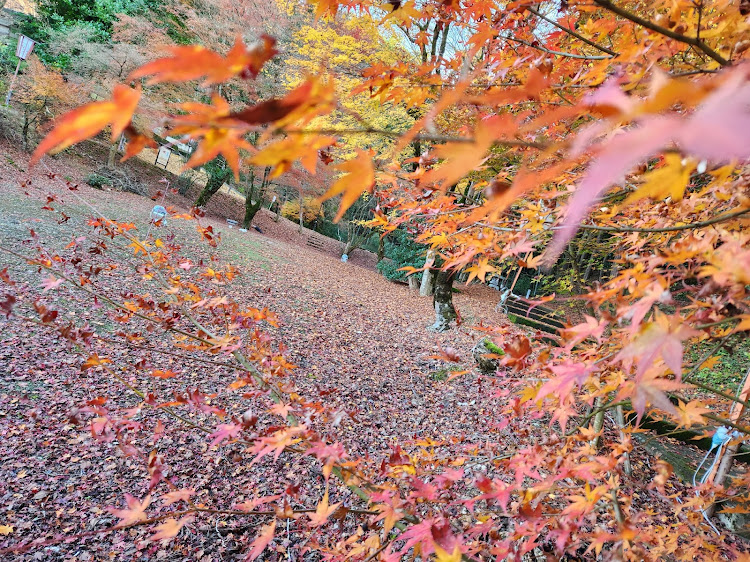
point(482, 353)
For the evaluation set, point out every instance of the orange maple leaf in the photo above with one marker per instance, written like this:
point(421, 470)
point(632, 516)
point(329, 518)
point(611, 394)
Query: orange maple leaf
point(94, 361)
point(323, 511)
point(136, 510)
point(327, 8)
point(220, 133)
point(359, 177)
point(178, 495)
point(311, 98)
point(194, 61)
point(136, 143)
point(170, 528)
point(261, 541)
point(89, 120)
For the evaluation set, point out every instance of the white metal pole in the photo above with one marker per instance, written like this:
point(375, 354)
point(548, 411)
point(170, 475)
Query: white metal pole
point(12, 83)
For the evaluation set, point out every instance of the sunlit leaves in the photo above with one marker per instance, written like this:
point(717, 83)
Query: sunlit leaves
point(667, 181)
point(282, 154)
point(194, 62)
point(358, 178)
point(89, 120)
point(219, 133)
point(311, 98)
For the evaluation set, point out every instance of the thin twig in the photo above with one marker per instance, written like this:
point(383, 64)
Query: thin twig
point(692, 41)
point(572, 32)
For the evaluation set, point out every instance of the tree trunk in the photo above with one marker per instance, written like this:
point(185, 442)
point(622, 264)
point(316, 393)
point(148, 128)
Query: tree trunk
point(445, 312)
point(413, 283)
point(301, 211)
point(251, 207)
point(213, 185)
point(428, 277)
point(381, 249)
point(26, 123)
point(112, 154)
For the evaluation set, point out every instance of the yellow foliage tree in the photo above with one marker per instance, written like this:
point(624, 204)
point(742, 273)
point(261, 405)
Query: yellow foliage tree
point(311, 209)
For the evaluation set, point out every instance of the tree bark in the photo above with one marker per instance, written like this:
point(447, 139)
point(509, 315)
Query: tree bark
point(445, 312)
point(413, 283)
point(251, 207)
point(26, 123)
point(213, 185)
point(381, 249)
point(428, 276)
point(112, 154)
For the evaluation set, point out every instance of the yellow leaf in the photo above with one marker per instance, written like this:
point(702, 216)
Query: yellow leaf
point(5, 530)
point(667, 181)
point(282, 154)
point(443, 555)
point(138, 247)
point(359, 177)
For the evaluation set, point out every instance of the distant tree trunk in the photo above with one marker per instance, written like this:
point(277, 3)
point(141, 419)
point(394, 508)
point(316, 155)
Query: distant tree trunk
point(112, 154)
point(218, 172)
point(251, 207)
point(26, 124)
point(428, 277)
point(445, 312)
point(214, 183)
point(413, 283)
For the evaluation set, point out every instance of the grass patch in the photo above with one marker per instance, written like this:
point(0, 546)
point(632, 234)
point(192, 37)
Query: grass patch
point(442, 375)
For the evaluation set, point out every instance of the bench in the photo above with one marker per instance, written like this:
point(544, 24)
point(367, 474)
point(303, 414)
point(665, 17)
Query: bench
point(540, 317)
point(317, 242)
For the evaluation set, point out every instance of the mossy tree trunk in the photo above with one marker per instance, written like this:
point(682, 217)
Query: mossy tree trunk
point(253, 200)
point(218, 172)
point(445, 312)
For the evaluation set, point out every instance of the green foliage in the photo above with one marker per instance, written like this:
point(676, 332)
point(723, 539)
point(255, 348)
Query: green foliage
point(492, 347)
point(8, 60)
point(442, 375)
point(729, 371)
point(97, 16)
point(99, 13)
point(401, 251)
point(97, 181)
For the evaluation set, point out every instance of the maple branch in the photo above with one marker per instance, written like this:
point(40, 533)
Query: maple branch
point(557, 53)
point(572, 32)
point(700, 224)
point(428, 138)
point(692, 41)
point(156, 519)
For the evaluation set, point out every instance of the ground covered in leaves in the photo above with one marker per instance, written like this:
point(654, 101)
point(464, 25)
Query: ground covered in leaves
point(359, 341)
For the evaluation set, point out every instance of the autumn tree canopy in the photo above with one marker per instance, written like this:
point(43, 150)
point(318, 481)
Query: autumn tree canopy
point(502, 133)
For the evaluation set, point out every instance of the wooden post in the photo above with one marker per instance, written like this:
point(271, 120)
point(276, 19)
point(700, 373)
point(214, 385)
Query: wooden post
point(518, 273)
point(724, 466)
